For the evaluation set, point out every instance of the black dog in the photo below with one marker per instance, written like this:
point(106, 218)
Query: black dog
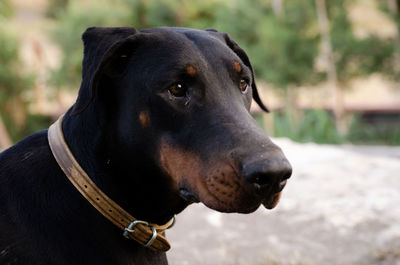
point(162, 120)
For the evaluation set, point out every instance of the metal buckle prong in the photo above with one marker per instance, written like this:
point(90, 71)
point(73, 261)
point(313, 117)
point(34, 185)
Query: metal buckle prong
point(131, 226)
point(153, 237)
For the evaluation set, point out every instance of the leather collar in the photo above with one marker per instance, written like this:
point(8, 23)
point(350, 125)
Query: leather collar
point(147, 234)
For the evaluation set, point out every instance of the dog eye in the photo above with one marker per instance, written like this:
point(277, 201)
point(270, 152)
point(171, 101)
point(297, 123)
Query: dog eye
point(178, 90)
point(244, 85)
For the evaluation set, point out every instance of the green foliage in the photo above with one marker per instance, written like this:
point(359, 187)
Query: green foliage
point(55, 7)
point(318, 126)
point(380, 132)
point(33, 124)
point(154, 13)
point(315, 126)
point(72, 22)
point(356, 57)
point(395, 15)
point(74, 19)
point(12, 82)
point(6, 9)
point(282, 50)
point(8, 53)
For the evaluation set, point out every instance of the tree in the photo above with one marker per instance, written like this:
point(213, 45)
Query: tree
point(282, 50)
point(327, 53)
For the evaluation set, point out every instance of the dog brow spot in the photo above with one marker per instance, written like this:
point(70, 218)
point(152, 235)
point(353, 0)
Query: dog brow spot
point(237, 66)
point(144, 119)
point(191, 70)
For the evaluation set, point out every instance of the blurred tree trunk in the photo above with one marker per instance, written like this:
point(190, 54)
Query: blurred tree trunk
point(277, 7)
point(337, 103)
point(5, 140)
point(394, 6)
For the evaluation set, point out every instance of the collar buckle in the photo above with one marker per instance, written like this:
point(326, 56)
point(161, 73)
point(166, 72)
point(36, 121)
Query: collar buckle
point(131, 229)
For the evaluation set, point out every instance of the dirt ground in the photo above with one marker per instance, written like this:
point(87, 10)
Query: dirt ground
point(341, 206)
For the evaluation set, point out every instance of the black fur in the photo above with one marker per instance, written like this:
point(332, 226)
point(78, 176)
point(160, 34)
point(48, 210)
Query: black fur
point(44, 219)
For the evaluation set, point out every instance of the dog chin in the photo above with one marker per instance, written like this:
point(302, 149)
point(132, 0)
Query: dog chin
point(269, 203)
point(222, 209)
point(220, 206)
point(249, 210)
point(229, 208)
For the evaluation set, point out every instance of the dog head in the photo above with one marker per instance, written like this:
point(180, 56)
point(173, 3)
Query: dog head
point(176, 102)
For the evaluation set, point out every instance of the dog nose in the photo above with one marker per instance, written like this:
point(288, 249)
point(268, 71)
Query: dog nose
point(267, 175)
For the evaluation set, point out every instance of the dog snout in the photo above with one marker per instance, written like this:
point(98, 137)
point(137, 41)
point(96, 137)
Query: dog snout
point(267, 175)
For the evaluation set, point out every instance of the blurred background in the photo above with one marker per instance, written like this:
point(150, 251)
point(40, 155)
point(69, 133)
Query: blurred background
point(328, 70)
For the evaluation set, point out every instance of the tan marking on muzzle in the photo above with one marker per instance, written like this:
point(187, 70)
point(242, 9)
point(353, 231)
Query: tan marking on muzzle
point(178, 163)
point(144, 119)
point(237, 66)
point(217, 186)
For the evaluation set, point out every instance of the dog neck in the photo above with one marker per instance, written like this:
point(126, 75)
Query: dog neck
point(149, 235)
point(140, 188)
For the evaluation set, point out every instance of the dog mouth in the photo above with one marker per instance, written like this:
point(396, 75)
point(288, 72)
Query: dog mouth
point(244, 202)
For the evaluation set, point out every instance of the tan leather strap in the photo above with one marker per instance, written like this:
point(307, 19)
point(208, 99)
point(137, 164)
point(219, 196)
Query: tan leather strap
point(147, 234)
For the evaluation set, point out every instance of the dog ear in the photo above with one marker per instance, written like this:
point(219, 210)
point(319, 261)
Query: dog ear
point(99, 45)
point(243, 56)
